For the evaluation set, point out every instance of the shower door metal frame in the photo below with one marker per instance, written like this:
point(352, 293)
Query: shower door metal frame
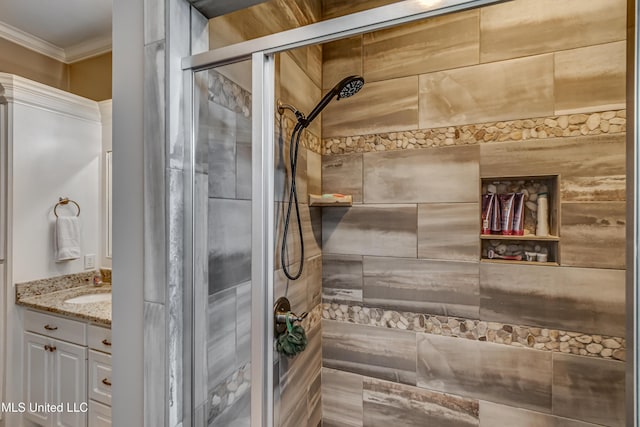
point(261, 51)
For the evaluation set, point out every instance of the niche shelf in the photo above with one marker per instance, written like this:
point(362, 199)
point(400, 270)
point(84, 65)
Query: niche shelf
point(512, 245)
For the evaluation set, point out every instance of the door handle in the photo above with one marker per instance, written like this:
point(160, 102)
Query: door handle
point(50, 328)
point(106, 382)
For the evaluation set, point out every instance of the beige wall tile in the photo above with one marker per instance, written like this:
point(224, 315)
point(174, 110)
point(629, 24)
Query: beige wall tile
point(434, 44)
point(309, 59)
point(387, 404)
point(378, 230)
point(262, 19)
point(493, 415)
point(591, 78)
point(314, 173)
point(568, 298)
point(313, 273)
point(340, 59)
point(343, 174)
point(422, 286)
point(311, 232)
point(349, 347)
point(510, 375)
point(504, 90)
point(591, 168)
point(593, 234)
point(298, 89)
point(446, 174)
point(335, 8)
point(449, 231)
point(523, 27)
point(379, 107)
point(589, 389)
point(342, 278)
point(341, 399)
point(297, 375)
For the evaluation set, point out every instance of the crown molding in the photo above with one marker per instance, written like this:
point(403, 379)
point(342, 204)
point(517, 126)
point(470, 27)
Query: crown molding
point(32, 42)
point(87, 49)
point(83, 50)
point(18, 90)
point(106, 111)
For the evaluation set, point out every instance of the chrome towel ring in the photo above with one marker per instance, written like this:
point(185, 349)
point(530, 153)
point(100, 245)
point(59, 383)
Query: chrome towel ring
point(65, 201)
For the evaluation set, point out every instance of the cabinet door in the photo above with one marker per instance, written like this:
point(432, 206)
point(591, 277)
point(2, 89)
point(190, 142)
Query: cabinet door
point(99, 415)
point(37, 375)
point(70, 384)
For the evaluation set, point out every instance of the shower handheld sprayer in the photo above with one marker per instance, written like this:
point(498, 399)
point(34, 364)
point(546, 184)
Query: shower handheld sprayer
point(346, 88)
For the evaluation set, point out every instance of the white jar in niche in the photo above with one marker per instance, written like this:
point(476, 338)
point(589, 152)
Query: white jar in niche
point(542, 227)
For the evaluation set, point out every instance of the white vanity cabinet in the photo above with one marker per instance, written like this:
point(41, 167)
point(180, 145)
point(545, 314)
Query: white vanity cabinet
point(55, 371)
point(66, 362)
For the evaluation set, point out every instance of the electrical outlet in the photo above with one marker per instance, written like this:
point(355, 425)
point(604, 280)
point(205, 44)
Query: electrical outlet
point(89, 262)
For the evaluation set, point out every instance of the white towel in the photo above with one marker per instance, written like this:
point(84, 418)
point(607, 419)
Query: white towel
point(67, 238)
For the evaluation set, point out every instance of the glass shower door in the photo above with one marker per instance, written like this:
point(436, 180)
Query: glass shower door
point(222, 233)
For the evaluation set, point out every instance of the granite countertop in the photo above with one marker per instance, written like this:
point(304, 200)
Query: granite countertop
point(51, 297)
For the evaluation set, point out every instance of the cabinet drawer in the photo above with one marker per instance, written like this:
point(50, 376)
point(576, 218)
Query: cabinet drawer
point(56, 327)
point(99, 338)
point(99, 415)
point(100, 377)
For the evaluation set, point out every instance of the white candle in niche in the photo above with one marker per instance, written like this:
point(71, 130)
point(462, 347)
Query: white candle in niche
point(542, 227)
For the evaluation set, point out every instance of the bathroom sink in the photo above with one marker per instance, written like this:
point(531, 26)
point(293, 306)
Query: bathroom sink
point(84, 299)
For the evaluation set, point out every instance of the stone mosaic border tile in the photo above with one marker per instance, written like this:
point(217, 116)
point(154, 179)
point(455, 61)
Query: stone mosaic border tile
point(52, 284)
point(544, 339)
point(605, 122)
point(228, 94)
point(227, 393)
point(308, 139)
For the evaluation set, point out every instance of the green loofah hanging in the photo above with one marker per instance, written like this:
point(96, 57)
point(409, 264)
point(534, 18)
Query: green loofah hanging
point(293, 341)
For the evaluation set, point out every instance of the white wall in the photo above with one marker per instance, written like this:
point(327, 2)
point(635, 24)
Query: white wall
point(54, 155)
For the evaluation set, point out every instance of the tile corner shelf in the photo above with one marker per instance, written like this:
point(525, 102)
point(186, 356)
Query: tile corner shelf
point(518, 245)
point(330, 200)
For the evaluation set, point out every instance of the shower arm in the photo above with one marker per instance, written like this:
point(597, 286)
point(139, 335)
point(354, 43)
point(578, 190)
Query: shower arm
point(282, 106)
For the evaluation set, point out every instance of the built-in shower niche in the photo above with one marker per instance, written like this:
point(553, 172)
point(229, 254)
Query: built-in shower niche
point(528, 248)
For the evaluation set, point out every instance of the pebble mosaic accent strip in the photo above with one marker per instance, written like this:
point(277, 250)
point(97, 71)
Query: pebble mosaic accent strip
point(308, 140)
point(544, 339)
point(606, 122)
point(228, 94)
point(52, 284)
point(228, 392)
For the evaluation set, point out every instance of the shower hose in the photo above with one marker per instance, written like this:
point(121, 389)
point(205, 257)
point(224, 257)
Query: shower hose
point(293, 200)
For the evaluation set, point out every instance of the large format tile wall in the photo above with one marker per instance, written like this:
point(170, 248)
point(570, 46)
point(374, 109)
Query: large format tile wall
point(297, 391)
point(416, 331)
